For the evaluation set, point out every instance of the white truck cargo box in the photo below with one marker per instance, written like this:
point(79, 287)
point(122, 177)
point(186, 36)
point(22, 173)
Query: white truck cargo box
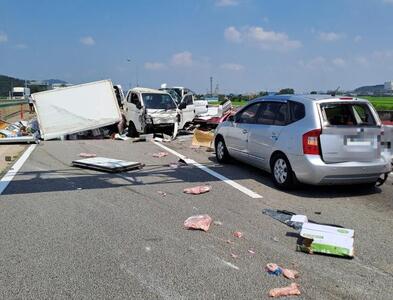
point(76, 108)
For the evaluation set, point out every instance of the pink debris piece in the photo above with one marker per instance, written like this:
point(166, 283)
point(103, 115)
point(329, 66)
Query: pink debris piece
point(196, 190)
point(233, 255)
point(272, 268)
point(251, 251)
point(161, 193)
point(87, 155)
point(291, 290)
point(160, 154)
point(238, 234)
point(201, 222)
point(290, 274)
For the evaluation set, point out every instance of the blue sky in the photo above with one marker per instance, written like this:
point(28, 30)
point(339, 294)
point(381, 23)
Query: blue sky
point(246, 45)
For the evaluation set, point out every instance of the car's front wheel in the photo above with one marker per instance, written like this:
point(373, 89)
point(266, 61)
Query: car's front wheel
point(282, 173)
point(222, 154)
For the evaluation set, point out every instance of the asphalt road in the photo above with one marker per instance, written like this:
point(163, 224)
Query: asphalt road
point(76, 233)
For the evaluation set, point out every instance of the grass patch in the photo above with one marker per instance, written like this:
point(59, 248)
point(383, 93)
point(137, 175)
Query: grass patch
point(380, 103)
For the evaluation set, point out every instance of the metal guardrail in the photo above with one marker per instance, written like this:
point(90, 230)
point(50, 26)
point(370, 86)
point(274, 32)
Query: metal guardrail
point(8, 103)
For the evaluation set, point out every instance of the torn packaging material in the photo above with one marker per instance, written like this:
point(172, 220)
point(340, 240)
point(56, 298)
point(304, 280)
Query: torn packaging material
point(76, 108)
point(202, 138)
point(196, 190)
point(326, 240)
point(107, 164)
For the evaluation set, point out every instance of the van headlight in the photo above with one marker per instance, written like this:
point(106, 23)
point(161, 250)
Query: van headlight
point(149, 120)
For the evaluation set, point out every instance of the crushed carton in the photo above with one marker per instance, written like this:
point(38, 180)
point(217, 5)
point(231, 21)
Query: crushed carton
point(327, 240)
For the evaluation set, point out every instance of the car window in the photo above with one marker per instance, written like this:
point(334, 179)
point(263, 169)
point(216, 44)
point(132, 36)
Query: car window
point(248, 115)
point(135, 99)
point(188, 99)
point(347, 114)
point(297, 111)
point(273, 113)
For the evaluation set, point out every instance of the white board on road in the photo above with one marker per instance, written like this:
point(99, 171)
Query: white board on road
point(76, 108)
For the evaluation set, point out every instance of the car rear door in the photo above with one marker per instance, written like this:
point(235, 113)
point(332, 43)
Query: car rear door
point(350, 132)
point(236, 137)
point(271, 119)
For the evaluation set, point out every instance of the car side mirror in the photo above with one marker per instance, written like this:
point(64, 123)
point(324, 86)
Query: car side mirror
point(231, 118)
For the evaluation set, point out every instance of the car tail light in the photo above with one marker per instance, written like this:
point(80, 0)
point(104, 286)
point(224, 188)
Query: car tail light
point(311, 142)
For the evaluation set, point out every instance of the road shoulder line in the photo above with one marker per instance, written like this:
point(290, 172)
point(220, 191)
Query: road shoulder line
point(228, 181)
point(7, 178)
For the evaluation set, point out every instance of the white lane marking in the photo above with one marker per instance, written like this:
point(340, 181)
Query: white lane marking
point(5, 181)
point(230, 264)
point(232, 183)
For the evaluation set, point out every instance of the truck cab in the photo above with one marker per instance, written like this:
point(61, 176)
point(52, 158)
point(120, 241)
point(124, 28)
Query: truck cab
point(185, 99)
point(151, 111)
point(20, 93)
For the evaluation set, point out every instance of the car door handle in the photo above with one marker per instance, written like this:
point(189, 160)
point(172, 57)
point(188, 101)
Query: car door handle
point(245, 131)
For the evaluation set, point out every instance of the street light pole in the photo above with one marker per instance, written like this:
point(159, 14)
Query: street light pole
point(136, 72)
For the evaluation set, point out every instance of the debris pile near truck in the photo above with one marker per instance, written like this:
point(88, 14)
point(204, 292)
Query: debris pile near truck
point(19, 132)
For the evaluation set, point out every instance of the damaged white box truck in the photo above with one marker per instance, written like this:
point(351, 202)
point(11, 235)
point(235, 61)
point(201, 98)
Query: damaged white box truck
point(76, 108)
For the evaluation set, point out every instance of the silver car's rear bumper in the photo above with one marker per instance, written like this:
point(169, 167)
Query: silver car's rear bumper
point(312, 169)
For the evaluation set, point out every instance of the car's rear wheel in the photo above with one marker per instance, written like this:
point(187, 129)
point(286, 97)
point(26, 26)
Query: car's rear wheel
point(281, 171)
point(222, 154)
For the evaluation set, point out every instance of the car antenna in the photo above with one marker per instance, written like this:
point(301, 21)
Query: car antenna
point(333, 94)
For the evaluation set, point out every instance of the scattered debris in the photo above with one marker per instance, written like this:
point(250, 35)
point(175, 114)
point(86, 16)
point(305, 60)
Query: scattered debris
point(291, 290)
point(8, 158)
point(202, 138)
point(19, 132)
point(230, 242)
point(273, 269)
point(276, 270)
point(317, 212)
point(196, 190)
point(107, 164)
point(251, 251)
point(161, 193)
point(201, 222)
point(326, 239)
point(122, 137)
point(238, 234)
point(276, 239)
point(160, 154)
point(218, 223)
point(233, 255)
point(180, 163)
point(87, 155)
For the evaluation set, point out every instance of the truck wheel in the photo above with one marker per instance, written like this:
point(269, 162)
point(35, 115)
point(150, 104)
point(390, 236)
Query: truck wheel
point(132, 132)
point(282, 173)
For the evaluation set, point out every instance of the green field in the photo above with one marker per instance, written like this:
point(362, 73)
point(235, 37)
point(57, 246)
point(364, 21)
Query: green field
point(380, 103)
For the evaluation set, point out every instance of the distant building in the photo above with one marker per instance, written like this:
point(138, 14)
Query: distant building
point(388, 86)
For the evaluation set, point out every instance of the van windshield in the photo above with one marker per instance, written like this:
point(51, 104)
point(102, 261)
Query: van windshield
point(158, 101)
point(347, 114)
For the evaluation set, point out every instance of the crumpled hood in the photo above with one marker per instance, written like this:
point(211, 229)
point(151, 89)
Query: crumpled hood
point(161, 116)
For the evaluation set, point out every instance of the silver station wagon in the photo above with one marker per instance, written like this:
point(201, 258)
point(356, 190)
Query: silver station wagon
point(313, 139)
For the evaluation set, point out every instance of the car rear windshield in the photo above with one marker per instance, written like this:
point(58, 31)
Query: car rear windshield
point(158, 101)
point(347, 114)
